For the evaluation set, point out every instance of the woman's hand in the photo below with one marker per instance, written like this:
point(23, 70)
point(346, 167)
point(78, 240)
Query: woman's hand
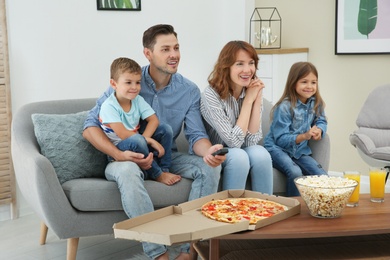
point(254, 90)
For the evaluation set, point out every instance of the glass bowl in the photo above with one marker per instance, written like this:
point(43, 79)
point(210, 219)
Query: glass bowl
point(325, 196)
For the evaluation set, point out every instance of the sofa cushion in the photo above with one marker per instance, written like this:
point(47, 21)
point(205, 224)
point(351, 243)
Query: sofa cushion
point(96, 194)
point(61, 141)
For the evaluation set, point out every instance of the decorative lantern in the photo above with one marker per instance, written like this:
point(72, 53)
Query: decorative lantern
point(265, 28)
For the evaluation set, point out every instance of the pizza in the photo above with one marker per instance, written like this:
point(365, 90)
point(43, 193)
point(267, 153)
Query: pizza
point(233, 210)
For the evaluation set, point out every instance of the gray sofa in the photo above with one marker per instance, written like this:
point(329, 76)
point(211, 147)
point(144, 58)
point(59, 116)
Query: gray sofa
point(90, 206)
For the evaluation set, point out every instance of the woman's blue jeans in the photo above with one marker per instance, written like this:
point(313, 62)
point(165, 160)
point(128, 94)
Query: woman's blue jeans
point(241, 162)
point(136, 201)
point(293, 168)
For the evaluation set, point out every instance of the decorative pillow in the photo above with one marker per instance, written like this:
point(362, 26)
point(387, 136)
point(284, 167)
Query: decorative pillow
point(61, 141)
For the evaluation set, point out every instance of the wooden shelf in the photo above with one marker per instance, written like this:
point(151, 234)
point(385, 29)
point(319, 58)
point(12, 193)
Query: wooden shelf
point(281, 51)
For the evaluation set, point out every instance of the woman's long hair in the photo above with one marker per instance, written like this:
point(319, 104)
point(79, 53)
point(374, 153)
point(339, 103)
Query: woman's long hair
point(219, 79)
point(298, 71)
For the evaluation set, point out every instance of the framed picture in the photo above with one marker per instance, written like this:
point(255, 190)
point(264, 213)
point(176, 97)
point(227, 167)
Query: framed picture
point(362, 27)
point(119, 5)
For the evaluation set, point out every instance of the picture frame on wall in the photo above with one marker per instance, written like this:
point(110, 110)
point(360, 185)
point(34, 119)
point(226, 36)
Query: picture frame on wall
point(362, 27)
point(119, 5)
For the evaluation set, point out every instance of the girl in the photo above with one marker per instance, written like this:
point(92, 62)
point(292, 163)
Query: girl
point(231, 108)
point(298, 116)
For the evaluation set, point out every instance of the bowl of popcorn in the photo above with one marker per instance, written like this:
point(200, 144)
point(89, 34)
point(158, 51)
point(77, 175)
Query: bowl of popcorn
point(325, 196)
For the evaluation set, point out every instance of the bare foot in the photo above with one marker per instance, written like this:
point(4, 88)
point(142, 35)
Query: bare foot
point(183, 256)
point(164, 256)
point(168, 178)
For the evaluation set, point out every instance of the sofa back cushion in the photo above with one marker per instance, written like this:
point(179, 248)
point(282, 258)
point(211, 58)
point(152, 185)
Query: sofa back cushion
point(61, 141)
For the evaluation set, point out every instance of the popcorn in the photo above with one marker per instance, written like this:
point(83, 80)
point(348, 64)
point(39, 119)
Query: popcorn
point(325, 196)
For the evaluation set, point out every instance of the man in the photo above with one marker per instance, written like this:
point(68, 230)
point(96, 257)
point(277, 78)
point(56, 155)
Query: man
point(176, 102)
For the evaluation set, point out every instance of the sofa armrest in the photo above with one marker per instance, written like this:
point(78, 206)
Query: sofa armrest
point(321, 151)
point(36, 177)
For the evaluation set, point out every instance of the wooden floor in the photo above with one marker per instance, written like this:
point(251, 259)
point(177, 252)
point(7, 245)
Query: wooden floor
point(19, 240)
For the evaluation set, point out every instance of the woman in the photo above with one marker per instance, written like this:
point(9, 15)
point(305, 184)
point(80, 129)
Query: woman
point(231, 107)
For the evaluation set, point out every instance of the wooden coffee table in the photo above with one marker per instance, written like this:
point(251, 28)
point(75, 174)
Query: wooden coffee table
point(359, 223)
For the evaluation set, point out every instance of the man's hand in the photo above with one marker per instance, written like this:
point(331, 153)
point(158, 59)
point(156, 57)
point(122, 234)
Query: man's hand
point(211, 160)
point(138, 158)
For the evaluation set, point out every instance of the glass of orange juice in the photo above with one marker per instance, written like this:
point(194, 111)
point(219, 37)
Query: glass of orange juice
point(354, 199)
point(377, 184)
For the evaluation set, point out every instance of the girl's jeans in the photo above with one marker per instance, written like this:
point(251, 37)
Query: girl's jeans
point(136, 201)
point(293, 168)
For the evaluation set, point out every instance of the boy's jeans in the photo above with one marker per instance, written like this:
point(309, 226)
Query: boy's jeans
point(137, 143)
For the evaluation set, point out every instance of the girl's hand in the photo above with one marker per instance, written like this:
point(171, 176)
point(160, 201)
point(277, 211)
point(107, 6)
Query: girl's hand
point(316, 133)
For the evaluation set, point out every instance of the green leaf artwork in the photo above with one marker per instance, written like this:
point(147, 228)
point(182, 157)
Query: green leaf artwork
point(368, 10)
point(119, 4)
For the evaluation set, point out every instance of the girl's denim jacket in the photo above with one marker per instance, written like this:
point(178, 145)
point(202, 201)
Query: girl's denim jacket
point(287, 125)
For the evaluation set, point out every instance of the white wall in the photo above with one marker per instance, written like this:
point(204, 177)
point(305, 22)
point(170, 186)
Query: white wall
point(344, 80)
point(63, 49)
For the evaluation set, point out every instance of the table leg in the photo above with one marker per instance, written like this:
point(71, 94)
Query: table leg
point(214, 249)
point(193, 252)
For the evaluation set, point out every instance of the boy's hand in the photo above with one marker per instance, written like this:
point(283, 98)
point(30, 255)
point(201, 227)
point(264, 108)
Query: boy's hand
point(156, 146)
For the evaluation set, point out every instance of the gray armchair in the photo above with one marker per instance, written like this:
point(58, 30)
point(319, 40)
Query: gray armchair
point(90, 206)
point(372, 138)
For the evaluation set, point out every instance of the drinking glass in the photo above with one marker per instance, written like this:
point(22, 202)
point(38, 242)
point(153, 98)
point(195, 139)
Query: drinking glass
point(377, 184)
point(354, 199)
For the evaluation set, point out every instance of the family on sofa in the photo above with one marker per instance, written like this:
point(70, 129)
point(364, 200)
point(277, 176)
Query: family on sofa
point(230, 108)
point(67, 180)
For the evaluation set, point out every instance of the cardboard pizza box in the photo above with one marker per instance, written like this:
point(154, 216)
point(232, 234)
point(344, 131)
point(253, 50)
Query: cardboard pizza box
point(185, 222)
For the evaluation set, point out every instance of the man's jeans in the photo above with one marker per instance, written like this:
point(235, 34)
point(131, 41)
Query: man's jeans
point(136, 201)
point(254, 160)
point(293, 168)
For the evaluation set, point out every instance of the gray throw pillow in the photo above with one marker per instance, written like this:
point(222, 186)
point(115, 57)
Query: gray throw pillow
point(61, 141)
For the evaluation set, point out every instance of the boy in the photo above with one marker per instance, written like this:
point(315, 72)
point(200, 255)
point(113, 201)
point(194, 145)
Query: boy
point(120, 116)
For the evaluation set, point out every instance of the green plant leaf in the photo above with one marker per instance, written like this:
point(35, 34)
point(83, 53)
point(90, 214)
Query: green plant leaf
point(119, 3)
point(368, 10)
point(112, 4)
point(128, 4)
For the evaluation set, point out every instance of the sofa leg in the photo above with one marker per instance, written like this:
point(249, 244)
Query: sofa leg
point(72, 246)
point(44, 230)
